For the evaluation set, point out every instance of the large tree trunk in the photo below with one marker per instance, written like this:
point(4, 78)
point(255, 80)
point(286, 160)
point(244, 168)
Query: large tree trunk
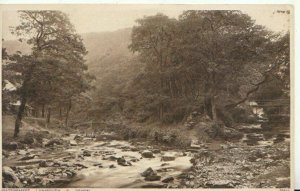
point(23, 97)
point(161, 111)
point(213, 108)
point(43, 111)
point(37, 112)
point(60, 113)
point(20, 115)
point(48, 116)
point(207, 106)
point(68, 112)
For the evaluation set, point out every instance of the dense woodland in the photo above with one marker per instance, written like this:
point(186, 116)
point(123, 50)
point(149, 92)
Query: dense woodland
point(161, 70)
point(205, 61)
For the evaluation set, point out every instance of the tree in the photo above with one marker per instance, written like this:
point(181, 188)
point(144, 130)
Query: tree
point(57, 61)
point(213, 57)
point(226, 45)
point(153, 40)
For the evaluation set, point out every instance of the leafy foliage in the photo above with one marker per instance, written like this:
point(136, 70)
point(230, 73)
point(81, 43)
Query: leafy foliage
point(207, 61)
point(55, 72)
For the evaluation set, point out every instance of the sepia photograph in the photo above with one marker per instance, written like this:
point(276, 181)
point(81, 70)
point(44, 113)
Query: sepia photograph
point(147, 96)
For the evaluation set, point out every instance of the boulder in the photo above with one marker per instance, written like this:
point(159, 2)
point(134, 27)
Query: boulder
point(56, 164)
point(54, 141)
point(80, 165)
point(147, 154)
point(164, 164)
point(98, 165)
point(5, 153)
point(167, 158)
point(134, 149)
point(43, 164)
point(28, 157)
point(166, 169)
point(10, 179)
point(87, 153)
point(156, 151)
point(149, 171)
point(10, 146)
point(29, 140)
point(195, 146)
point(8, 174)
point(22, 152)
point(134, 160)
point(78, 138)
point(73, 143)
point(190, 184)
point(110, 158)
point(42, 171)
point(112, 166)
point(152, 178)
point(122, 162)
point(168, 179)
point(70, 173)
point(183, 176)
point(150, 175)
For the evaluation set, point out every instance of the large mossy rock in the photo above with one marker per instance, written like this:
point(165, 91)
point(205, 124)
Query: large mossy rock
point(10, 179)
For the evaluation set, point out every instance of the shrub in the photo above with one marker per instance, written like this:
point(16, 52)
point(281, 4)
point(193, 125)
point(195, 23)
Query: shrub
point(161, 135)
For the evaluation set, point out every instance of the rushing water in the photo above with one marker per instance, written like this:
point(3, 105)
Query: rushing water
point(124, 176)
point(254, 135)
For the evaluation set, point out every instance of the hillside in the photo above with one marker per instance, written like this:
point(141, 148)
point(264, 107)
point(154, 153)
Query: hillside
point(107, 51)
point(108, 59)
point(114, 67)
point(105, 44)
point(108, 56)
point(102, 47)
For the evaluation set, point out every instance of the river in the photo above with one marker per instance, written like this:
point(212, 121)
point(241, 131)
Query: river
point(95, 163)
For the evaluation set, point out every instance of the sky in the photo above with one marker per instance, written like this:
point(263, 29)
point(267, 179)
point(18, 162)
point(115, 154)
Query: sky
point(98, 18)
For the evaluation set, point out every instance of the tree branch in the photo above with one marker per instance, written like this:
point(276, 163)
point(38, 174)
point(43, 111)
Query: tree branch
point(266, 77)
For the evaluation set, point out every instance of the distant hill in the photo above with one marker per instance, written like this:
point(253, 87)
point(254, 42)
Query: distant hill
point(103, 44)
point(100, 45)
point(104, 48)
point(108, 58)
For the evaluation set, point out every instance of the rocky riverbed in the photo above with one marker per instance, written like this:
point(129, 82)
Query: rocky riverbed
point(257, 161)
point(79, 161)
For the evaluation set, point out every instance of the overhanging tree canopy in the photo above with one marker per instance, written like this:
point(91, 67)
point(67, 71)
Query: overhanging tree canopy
point(56, 71)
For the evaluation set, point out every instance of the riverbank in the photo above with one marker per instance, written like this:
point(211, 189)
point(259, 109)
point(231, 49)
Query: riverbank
point(261, 159)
